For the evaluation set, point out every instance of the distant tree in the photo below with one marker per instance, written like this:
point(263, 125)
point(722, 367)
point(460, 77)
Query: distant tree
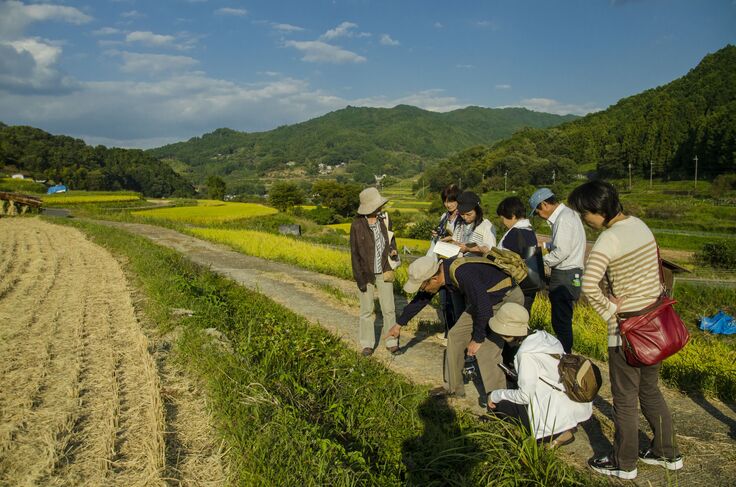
point(284, 194)
point(342, 198)
point(216, 187)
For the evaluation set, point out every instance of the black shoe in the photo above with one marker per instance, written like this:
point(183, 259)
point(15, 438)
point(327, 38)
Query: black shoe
point(648, 456)
point(606, 466)
point(440, 392)
point(367, 352)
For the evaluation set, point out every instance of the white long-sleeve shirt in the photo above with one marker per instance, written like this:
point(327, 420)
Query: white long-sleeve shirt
point(568, 240)
point(550, 411)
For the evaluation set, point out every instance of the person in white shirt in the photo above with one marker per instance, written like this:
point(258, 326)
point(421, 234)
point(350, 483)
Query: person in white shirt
point(539, 403)
point(565, 259)
point(477, 235)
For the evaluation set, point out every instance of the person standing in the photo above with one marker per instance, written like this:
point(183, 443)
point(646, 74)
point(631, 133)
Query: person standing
point(450, 307)
point(370, 251)
point(626, 253)
point(477, 234)
point(565, 259)
point(519, 236)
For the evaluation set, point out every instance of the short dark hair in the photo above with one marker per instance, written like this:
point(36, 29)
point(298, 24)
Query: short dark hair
point(598, 197)
point(511, 207)
point(450, 193)
point(552, 200)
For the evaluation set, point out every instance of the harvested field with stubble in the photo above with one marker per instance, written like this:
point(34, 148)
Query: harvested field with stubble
point(83, 400)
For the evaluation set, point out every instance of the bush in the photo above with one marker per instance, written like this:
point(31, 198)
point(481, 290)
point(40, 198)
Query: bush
point(322, 215)
point(720, 254)
point(421, 230)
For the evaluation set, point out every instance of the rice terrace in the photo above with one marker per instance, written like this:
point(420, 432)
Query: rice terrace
point(228, 234)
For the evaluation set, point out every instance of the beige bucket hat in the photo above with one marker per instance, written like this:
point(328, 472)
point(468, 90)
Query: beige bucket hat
point(419, 271)
point(370, 201)
point(511, 319)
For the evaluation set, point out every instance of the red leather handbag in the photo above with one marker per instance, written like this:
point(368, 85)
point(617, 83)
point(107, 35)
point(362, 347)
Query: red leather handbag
point(653, 333)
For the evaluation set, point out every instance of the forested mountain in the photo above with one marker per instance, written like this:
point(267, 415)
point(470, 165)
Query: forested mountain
point(396, 141)
point(72, 162)
point(666, 126)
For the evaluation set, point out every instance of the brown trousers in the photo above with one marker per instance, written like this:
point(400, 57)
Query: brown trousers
point(631, 386)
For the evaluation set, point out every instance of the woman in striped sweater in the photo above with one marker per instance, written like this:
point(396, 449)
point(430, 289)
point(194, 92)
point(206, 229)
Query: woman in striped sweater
point(626, 253)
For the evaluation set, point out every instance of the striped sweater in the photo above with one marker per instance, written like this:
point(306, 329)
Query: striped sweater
point(627, 252)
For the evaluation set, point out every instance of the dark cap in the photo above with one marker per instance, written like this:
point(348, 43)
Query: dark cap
point(467, 201)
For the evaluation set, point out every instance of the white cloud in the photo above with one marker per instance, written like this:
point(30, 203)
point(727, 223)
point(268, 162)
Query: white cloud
point(27, 66)
point(238, 12)
point(106, 31)
point(386, 40)
point(150, 39)
point(321, 52)
point(345, 29)
point(465, 66)
point(175, 108)
point(503, 87)
point(549, 105)
point(433, 100)
point(287, 28)
point(438, 25)
point(16, 16)
point(134, 62)
point(487, 24)
point(132, 14)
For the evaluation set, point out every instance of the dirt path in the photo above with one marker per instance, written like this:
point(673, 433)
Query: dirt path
point(706, 428)
point(81, 398)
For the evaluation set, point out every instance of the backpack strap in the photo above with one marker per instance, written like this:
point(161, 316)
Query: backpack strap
point(503, 283)
point(558, 357)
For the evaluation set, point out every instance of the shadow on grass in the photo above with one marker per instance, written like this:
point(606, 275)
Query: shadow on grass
point(442, 455)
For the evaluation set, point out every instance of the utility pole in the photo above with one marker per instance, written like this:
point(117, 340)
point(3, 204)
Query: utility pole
point(629, 176)
point(553, 177)
point(505, 175)
point(651, 171)
point(696, 171)
point(460, 183)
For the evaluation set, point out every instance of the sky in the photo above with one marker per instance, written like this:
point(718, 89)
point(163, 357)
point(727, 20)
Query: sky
point(144, 73)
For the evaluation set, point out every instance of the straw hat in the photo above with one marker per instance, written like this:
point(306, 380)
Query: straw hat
point(419, 271)
point(370, 201)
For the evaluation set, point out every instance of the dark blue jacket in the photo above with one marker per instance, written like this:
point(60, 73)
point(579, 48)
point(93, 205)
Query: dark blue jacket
point(473, 281)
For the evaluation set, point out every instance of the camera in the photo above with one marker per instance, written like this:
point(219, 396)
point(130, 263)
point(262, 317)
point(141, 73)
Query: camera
point(470, 369)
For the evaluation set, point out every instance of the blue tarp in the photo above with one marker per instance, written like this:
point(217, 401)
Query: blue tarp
point(720, 323)
point(59, 188)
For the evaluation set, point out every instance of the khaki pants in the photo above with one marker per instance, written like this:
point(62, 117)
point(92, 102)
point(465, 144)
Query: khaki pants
point(488, 356)
point(366, 325)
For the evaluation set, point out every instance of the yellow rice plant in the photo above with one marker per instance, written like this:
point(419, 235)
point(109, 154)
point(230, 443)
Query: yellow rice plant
point(284, 249)
point(81, 198)
point(413, 244)
point(345, 227)
point(208, 212)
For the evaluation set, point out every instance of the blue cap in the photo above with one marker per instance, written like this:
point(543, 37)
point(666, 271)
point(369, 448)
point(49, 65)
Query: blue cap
point(539, 195)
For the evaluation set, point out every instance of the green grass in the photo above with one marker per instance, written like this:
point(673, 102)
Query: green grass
point(295, 406)
point(22, 186)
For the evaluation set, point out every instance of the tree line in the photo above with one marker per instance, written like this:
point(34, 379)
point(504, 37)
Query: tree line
point(70, 161)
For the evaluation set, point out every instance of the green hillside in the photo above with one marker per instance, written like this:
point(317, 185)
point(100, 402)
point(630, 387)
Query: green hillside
point(397, 141)
point(666, 126)
point(70, 161)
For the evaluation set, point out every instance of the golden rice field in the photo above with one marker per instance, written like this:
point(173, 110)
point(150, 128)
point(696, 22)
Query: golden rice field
point(283, 249)
point(81, 197)
point(208, 212)
point(413, 244)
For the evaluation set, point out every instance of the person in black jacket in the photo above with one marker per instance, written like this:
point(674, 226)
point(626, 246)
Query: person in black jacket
point(520, 234)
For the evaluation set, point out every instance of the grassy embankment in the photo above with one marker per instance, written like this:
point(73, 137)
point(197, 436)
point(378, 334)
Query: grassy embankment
point(296, 406)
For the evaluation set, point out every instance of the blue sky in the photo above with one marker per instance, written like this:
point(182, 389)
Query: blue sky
point(142, 73)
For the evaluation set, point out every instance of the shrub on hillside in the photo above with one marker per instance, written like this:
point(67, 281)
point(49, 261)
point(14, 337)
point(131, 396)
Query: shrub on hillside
point(720, 254)
point(421, 230)
point(322, 215)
